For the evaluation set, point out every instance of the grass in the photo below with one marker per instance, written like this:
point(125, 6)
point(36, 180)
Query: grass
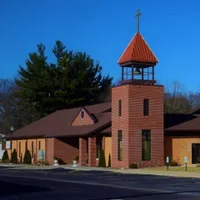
point(174, 169)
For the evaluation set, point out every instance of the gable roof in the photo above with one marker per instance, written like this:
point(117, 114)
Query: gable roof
point(186, 123)
point(196, 111)
point(137, 51)
point(90, 115)
point(58, 124)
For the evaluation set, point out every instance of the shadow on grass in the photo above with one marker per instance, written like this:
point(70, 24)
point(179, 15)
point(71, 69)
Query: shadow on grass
point(9, 189)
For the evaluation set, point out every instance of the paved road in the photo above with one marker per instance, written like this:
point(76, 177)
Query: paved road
point(93, 185)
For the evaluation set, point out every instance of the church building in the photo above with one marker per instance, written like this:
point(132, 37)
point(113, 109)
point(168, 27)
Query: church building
point(132, 128)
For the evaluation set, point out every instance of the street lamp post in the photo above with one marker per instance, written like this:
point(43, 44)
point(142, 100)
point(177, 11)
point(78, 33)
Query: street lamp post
point(11, 130)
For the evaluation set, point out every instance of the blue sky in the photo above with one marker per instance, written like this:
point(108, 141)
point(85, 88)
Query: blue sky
point(103, 29)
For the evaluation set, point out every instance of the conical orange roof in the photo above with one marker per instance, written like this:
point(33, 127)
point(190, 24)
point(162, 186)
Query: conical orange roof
point(137, 51)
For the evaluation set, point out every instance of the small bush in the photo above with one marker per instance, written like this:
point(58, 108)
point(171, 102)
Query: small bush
point(5, 158)
point(14, 157)
point(133, 166)
point(173, 163)
point(27, 157)
point(109, 161)
point(102, 161)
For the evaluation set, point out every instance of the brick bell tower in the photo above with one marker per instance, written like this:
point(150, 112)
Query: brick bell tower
point(137, 109)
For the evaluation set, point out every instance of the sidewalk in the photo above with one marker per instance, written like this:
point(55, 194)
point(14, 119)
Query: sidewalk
point(144, 171)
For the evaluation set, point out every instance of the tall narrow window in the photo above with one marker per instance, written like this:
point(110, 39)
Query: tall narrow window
point(146, 145)
point(39, 145)
point(120, 145)
point(32, 148)
point(20, 149)
point(120, 107)
point(146, 107)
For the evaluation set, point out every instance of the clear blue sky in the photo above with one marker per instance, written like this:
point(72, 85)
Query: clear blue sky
point(103, 28)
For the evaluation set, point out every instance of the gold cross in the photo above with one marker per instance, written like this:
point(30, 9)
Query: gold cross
point(138, 20)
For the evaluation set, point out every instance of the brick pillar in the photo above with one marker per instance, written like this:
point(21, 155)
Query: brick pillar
point(92, 151)
point(82, 151)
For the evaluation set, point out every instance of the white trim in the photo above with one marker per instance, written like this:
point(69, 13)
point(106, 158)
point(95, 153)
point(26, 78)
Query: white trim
point(127, 47)
point(131, 42)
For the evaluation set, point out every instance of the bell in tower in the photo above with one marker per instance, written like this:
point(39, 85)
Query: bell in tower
point(138, 61)
point(137, 109)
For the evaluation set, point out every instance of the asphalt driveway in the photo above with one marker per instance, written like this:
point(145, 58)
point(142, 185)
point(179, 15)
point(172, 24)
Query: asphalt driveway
point(96, 185)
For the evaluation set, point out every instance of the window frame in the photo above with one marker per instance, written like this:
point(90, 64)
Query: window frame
point(146, 107)
point(146, 140)
point(119, 147)
point(120, 108)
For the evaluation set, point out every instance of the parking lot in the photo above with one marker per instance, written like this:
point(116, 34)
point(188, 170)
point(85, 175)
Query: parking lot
point(97, 185)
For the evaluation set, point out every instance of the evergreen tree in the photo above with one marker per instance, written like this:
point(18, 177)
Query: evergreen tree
point(102, 161)
point(5, 158)
point(14, 157)
point(109, 160)
point(74, 80)
point(27, 157)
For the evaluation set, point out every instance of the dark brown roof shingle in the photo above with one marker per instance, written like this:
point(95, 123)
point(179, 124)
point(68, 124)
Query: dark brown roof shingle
point(59, 123)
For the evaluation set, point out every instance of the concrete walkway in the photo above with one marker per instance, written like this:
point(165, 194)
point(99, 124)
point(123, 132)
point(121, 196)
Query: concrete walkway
point(143, 171)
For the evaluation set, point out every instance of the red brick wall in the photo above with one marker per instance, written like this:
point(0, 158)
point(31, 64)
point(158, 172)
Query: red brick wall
point(87, 120)
point(49, 150)
point(66, 151)
point(120, 123)
point(132, 122)
point(92, 152)
point(82, 151)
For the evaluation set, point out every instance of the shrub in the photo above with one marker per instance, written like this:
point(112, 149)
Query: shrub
point(173, 163)
point(102, 162)
point(133, 166)
point(27, 157)
point(5, 158)
point(109, 161)
point(14, 157)
point(198, 159)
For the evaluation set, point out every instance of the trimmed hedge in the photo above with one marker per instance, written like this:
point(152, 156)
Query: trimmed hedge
point(102, 161)
point(27, 157)
point(5, 158)
point(109, 161)
point(14, 157)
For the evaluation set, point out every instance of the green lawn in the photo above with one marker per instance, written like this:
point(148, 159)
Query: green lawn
point(179, 168)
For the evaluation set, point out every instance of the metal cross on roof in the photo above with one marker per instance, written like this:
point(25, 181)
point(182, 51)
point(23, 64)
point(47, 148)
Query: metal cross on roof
point(138, 20)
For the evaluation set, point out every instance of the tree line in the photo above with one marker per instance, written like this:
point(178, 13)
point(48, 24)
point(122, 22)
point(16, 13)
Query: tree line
point(74, 79)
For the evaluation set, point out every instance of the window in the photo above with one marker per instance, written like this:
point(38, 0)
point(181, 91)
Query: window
point(82, 114)
point(120, 145)
point(39, 145)
point(146, 145)
point(146, 107)
point(32, 148)
point(20, 149)
point(120, 107)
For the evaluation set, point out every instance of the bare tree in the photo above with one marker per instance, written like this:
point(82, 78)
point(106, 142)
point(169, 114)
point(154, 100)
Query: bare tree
point(13, 112)
point(177, 99)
